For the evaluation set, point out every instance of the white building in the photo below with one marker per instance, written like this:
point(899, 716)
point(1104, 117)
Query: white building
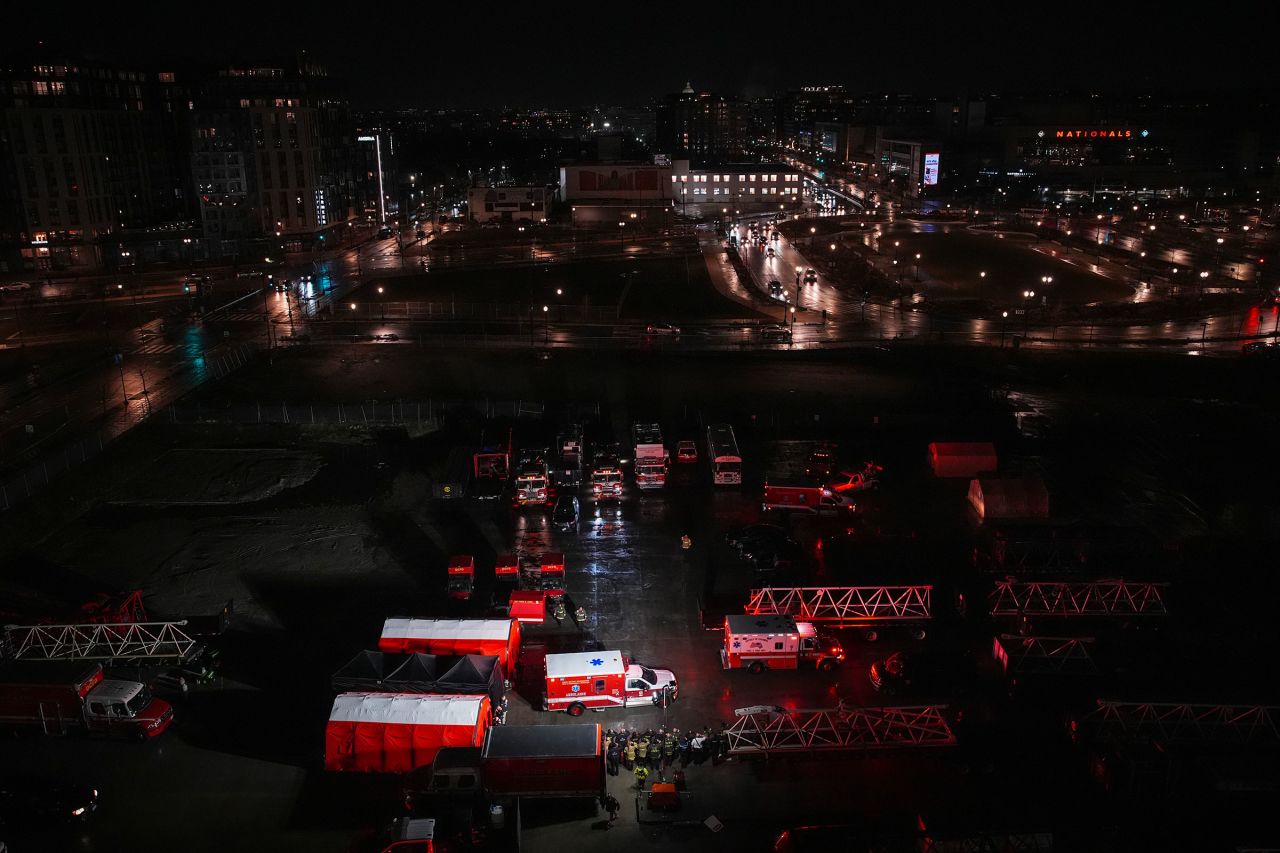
point(509, 204)
point(737, 186)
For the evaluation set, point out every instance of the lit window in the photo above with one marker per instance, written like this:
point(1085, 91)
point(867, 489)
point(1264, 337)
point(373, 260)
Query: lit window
point(40, 87)
point(753, 178)
point(742, 178)
point(57, 87)
point(166, 76)
point(244, 103)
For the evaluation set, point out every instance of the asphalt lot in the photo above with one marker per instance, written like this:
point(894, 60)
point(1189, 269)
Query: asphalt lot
point(314, 567)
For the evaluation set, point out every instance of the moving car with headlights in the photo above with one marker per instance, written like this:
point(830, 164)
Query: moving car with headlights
point(34, 802)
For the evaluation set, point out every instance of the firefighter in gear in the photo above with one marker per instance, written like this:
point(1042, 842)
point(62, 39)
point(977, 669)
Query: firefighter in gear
point(668, 750)
point(642, 751)
point(558, 611)
point(685, 542)
point(631, 754)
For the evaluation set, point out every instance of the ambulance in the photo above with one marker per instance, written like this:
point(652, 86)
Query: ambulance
point(577, 681)
point(756, 642)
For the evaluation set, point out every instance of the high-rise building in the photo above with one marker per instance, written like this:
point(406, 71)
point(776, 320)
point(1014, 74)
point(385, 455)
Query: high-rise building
point(274, 155)
point(701, 126)
point(88, 151)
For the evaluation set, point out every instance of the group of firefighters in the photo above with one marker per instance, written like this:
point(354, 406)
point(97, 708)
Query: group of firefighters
point(649, 752)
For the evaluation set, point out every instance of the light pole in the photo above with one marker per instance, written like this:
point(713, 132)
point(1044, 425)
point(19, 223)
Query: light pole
point(1204, 275)
point(1027, 296)
point(382, 305)
point(793, 314)
point(621, 242)
point(1045, 281)
point(546, 327)
point(1004, 321)
point(917, 266)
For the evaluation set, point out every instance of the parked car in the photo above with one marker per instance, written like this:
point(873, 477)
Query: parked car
point(565, 514)
point(776, 333)
point(16, 286)
point(662, 329)
point(686, 451)
point(492, 224)
point(38, 802)
point(769, 553)
point(250, 274)
point(739, 537)
point(385, 233)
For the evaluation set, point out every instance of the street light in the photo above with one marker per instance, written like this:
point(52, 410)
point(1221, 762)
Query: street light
point(1004, 321)
point(917, 266)
point(1027, 296)
point(546, 327)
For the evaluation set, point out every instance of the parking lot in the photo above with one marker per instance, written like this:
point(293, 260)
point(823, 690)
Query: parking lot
point(318, 533)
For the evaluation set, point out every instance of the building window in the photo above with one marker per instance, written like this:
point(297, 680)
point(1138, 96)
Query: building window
point(742, 178)
point(753, 180)
point(166, 76)
point(40, 87)
point(244, 103)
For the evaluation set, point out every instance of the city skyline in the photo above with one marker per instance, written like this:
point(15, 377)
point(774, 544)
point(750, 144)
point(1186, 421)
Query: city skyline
point(609, 60)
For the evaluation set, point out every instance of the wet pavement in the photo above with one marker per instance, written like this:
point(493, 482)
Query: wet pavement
point(317, 566)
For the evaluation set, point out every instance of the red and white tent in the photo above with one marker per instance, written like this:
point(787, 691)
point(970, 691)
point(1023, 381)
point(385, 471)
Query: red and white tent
point(397, 732)
point(499, 637)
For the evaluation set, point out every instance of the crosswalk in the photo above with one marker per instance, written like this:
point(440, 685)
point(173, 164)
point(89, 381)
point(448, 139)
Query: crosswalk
point(158, 348)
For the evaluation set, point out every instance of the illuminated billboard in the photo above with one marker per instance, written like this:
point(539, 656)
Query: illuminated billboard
point(931, 170)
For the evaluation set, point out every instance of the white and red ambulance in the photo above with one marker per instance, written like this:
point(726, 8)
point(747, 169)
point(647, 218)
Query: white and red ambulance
point(757, 642)
point(577, 681)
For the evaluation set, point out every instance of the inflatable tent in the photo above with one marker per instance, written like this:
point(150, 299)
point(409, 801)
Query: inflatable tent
point(498, 637)
point(962, 459)
point(394, 733)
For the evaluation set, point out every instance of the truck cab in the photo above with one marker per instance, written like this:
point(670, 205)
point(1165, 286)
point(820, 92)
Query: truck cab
point(644, 685)
point(125, 708)
point(533, 486)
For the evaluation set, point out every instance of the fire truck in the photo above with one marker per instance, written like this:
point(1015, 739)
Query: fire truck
point(462, 576)
point(568, 471)
point(577, 681)
point(56, 696)
point(650, 456)
point(533, 480)
point(606, 473)
point(490, 467)
point(770, 641)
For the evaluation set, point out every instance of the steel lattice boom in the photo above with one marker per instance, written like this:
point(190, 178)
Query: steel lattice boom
point(114, 641)
point(845, 605)
point(1171, 721)
point(1037, 655)
point(1088, 598)
point(764, 729)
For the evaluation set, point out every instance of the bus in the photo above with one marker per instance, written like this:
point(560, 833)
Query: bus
point(722, 449)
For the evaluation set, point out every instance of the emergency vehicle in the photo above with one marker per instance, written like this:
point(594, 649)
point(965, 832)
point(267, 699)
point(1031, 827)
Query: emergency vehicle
point(770, 641)
point(462, 576)
point(577, 681)
point(805, 496)
point(606, 483)
point(550, 574)
point(533, 480)
point(507, 566)
point(650, 456)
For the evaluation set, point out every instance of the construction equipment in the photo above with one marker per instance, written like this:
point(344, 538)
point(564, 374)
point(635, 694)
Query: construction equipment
point(1180, 722)
point(763, 729)
point(1021, 655)
point(848, 606)
point(1070, 598)
point(118, 641)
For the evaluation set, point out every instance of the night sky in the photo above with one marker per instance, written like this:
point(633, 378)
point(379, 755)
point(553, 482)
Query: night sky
point(487, 55)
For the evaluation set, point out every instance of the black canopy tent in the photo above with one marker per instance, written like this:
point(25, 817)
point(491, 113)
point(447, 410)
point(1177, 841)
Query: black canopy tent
point(381, 672)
